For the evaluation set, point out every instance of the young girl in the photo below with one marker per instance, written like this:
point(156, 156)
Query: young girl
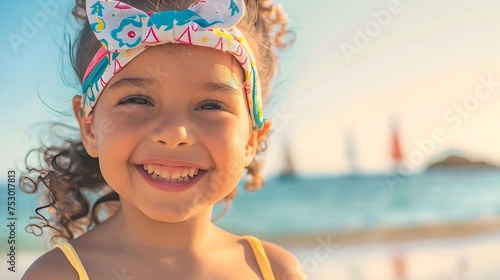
point(170, 117)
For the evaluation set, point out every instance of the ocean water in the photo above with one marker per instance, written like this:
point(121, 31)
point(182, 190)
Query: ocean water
point(293, 206)
point(308, 205)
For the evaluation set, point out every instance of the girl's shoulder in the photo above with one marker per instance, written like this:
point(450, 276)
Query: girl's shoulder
point(284, 264)
point(51, 265)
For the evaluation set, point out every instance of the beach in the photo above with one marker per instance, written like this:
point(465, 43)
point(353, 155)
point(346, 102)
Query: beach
point(429, 253)
point(472, 257)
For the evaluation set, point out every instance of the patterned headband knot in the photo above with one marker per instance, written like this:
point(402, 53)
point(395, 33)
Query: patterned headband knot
point(125, 32)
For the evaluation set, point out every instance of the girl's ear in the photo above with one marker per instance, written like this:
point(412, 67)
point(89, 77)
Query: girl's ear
point(86, 129)
point(253, 142)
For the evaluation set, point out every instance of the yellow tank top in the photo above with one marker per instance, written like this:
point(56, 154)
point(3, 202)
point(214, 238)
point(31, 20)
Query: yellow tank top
point(257, 248)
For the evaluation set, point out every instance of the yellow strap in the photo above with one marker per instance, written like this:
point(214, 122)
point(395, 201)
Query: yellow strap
point(73, 259)
point(260, 256)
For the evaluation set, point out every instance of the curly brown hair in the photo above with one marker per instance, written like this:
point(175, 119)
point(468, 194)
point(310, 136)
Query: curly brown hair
point(74, 191)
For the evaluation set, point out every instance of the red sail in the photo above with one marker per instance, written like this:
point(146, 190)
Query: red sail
point(397, 155)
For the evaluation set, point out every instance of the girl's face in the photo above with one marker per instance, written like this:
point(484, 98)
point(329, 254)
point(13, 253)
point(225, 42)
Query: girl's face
point(173, 113)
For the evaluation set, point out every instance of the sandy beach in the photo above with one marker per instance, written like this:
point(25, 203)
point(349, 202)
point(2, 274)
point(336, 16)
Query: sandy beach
point(456, 251)
point(467, 257)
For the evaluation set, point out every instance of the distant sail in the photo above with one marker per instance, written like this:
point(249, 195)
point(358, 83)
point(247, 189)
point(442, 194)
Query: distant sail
point(289, 166)
point(396, 153)
point(350, 145)
point(397, 156)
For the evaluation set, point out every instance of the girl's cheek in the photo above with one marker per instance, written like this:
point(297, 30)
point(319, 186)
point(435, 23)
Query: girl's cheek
point(133, 115)
point(106, 128)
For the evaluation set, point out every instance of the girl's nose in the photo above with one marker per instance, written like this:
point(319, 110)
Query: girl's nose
point(172, 135)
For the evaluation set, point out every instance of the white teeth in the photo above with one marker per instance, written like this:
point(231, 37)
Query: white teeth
point(165, 175)
point(146, 168)
point(175, 177)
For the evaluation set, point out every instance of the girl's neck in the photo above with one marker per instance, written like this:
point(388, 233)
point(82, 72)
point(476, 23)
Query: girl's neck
point(139, 231)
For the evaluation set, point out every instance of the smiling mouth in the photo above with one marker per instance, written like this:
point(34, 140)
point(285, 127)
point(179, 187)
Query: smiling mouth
point(185, 175)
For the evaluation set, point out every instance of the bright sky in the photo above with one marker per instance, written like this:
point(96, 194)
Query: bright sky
point(355, 65)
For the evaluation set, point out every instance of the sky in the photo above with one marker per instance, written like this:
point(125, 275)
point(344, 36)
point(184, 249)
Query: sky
point(433, 67)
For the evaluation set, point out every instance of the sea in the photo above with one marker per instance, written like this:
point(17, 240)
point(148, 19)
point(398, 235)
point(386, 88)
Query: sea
point(306, 205)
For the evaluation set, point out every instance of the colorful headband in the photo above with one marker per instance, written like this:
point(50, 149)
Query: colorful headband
point(125, 32)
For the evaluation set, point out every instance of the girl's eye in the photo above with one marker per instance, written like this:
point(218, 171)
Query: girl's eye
point(136, 99)
point(212, 105)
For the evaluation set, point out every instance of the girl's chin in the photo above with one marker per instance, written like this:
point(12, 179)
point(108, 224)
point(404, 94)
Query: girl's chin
point(175, 214)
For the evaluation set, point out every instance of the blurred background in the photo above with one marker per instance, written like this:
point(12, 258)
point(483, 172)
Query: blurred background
point(384, 158)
